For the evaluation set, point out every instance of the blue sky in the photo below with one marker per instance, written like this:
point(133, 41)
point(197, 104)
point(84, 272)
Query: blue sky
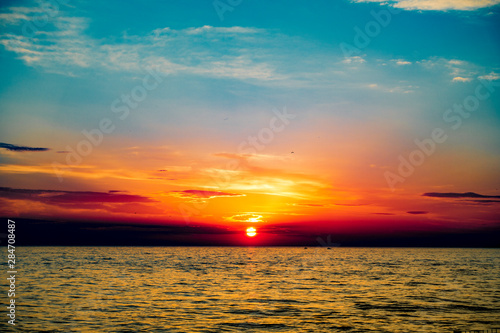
point(260, 54)
point(220, 79)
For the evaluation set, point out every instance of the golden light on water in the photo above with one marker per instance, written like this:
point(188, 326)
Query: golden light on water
point(251, 232)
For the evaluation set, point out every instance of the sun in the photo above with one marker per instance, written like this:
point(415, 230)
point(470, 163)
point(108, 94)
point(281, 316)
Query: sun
point(251, 232)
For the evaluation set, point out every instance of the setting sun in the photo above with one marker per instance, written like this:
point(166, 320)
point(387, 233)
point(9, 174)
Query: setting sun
point(251, 232)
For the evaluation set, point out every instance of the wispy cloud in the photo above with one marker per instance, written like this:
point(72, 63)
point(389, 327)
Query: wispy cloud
point(490, 77)
point(63, 47)
point(442, 5)
point(225, 30)
point(417, 212)
point(458, 195)
point(461, 79)
point(204, 194)
point(484, 202)
point(471, 198)
point(20, 148)
point(354, 60)
point(249, 217)
point(455, 69)
point(15, 15)
point(401, 62)
point(248, 54)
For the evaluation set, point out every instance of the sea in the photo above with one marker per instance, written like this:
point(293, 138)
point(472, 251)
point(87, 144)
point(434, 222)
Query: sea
point(252, 289)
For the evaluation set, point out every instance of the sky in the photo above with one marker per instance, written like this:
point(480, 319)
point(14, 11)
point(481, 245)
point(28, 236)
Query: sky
point(359, 119)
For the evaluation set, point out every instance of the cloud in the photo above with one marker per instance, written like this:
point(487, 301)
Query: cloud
point(443, 5)
point(483, 202)
point(253, 218)
point(417, 212)
point(490, 77)
point(455, 69)
point(12, 18)
point(351, 205)
point(62, 46)
point(204, 194)
point(354, 60)
point(247, 54)
point(478, 199)
point(224, 30)
point(400, 62)
point(402, 89)
point(459, 195)
point(75, 202)
point(20, 148)
point(70, 197)
point(461, 79)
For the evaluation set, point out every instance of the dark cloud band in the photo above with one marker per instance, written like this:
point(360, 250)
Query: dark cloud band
point(459, 195)
point(10, 147)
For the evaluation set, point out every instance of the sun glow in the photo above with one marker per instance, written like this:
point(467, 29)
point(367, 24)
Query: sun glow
point(255, 219)
point(251, 232)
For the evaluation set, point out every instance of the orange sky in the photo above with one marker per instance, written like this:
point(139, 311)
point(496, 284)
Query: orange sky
point(180, 118)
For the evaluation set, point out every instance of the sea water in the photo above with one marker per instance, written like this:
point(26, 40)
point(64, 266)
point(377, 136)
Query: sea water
point(245, 289)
